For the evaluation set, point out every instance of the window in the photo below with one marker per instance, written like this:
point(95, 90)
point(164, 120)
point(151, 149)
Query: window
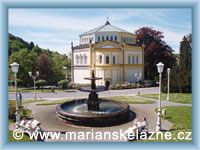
point(100, 59)
point(111, 38)
point(85, 59)
point(115, 38)
point(102, 38)
point(129, 59)
point(107, 59)
point(81, 59)
point(126, 40)
point(98, 38)
point(133, 59)
point(107, 37)
point(77, 59)
point(131, 40)
point(137, 60)
point(114, 60)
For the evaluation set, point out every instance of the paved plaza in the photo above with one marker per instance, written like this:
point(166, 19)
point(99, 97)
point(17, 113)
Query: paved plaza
point(46, 114)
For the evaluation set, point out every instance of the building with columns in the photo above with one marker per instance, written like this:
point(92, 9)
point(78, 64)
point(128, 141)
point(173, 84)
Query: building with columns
point(112, 52)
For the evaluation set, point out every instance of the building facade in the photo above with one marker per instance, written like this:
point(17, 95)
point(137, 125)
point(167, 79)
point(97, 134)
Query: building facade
point(112, 52)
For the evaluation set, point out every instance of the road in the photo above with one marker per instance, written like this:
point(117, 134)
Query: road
point(71, 94)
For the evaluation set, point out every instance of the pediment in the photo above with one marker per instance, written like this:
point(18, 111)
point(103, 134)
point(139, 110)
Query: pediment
point(107, 44)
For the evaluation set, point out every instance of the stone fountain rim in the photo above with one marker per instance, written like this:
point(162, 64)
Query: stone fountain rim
point(124, 109)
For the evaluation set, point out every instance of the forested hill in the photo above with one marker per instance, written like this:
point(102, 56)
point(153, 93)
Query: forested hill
point(17, 43)
point(33, 58)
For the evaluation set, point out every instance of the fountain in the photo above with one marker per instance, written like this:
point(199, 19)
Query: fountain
point(94, 111)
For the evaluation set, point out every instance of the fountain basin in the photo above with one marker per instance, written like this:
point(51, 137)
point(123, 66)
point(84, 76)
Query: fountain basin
point(110, 113)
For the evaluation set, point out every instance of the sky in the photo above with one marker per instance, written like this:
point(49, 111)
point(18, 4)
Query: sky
point(55, 29)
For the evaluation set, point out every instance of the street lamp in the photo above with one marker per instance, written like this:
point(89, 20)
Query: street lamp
point(160, 67)
point(138, 77)
point(34, 78)
point(65, 68)
point(168, 73)
point(15, 67)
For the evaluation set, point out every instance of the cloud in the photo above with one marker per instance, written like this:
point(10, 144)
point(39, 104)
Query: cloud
point(57, 28)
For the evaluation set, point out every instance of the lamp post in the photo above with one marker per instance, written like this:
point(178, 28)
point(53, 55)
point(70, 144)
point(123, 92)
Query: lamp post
point(34, 78)
point(138, 77)
point(15, 67)
point(168, 73)
point(160, 67)
point(65, 68)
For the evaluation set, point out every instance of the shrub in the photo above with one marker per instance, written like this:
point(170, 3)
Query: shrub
point(63, 84)
point(125, 85)
point(22, 111)
point(40, 83)
point(77, 86)
point(20, 83)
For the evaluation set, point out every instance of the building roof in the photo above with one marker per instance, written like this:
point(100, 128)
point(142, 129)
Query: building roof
point(107, 27)
point(81, 46)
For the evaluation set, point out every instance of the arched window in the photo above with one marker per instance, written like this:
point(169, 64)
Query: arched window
point(107, 37)
point(77, 59)
point(107, 59)
point(102, 38)
point(81, 59)
point(100, 59)
point(114, 60)
point(137, 60)
point(111, 38)
point(133, 59)
point(115, 38)
point(129, 59)
point(85, 59)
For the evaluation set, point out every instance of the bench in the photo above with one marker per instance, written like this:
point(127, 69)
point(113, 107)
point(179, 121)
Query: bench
point(30, 126)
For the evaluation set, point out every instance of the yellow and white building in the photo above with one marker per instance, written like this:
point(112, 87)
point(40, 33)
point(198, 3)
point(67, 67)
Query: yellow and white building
point(111, 51)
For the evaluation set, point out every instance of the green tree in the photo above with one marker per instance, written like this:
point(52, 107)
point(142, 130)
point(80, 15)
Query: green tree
point(27, 54)
point(31, 45)
point(16, 44)
point(58, 62)
point(37, 50)
point(185, 63)
point(26, 61)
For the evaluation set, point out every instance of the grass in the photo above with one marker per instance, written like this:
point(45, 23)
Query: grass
point(27, 101)
point(11, 89)
point(25, 138)
point(127, 99)
point(32, 101)
point(181, 119)
point(174, 97)
point(53, 102)
point(131, 99)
